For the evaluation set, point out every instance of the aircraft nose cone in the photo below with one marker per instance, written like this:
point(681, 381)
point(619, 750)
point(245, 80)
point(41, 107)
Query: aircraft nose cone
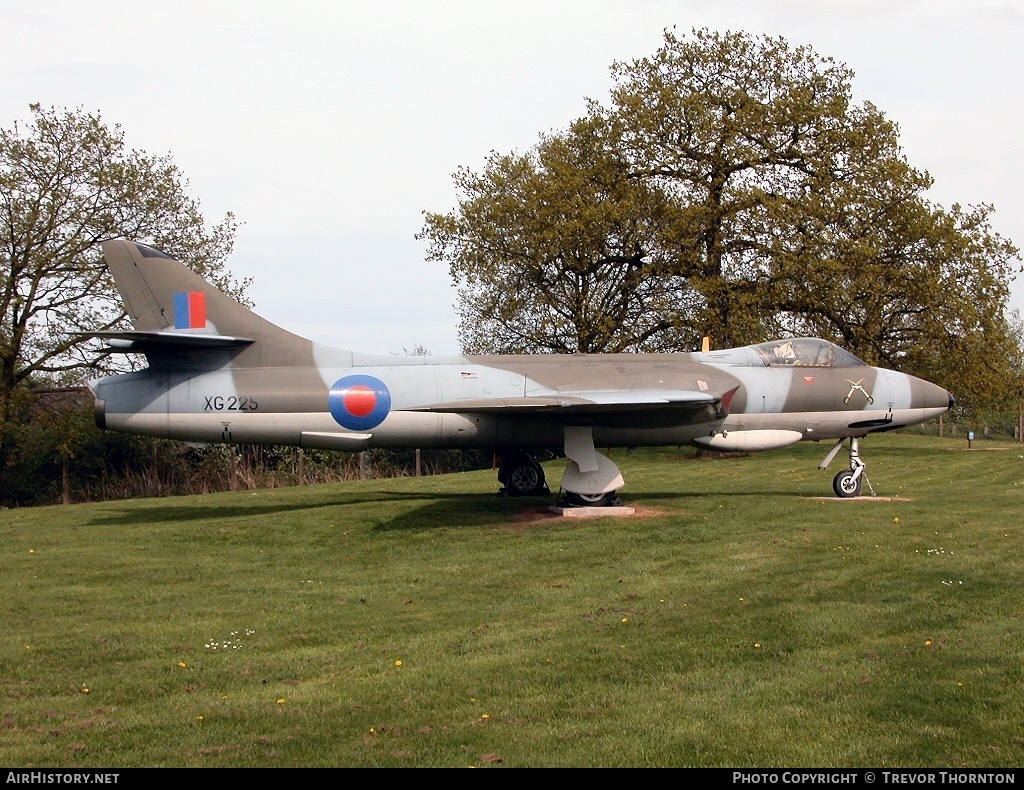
point(935, 397)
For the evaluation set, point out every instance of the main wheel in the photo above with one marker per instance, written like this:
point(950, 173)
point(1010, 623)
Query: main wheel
point(525, 480)
point(845, 485)
point(589, 500)
point(521, 475)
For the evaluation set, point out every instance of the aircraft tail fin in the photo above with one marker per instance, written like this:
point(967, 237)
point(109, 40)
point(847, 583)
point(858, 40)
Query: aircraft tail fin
point(173, 308)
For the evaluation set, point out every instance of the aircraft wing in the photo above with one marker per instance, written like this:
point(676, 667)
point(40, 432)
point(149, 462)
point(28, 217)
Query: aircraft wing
point(583, 402)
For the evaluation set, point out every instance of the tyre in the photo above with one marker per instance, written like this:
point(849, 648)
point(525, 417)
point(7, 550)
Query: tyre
point(572, 499)
point(521, 476)
point(845, 485)
point(525, 480)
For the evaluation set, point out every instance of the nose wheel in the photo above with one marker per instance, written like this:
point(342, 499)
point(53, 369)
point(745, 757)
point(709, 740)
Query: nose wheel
point(846, 484)
point(849, 482)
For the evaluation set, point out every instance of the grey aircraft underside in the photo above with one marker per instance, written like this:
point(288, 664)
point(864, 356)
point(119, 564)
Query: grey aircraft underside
point(220, 373)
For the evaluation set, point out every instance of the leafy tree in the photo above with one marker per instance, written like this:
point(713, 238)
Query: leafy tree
point(44, 438)
point(559, 250)
point(67, 183)
point(732, 188)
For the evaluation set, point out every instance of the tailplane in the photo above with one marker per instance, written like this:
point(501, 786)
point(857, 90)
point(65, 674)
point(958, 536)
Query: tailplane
point(173, 309)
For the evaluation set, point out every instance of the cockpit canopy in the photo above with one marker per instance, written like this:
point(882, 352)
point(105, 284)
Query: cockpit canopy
point(805, 352)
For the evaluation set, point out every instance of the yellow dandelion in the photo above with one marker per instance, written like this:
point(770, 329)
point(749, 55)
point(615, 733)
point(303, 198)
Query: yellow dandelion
point(485, 716)
point(199, 718)
point(31, 551)
point(181, 664)
point(757, 644)
point(85, 690)
point(398, 663)
point(280, 702)
point(625, 619)
point(896, 520)
point(372, 731)
point(927, 642)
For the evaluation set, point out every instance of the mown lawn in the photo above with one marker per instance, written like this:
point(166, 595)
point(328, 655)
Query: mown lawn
point(743, 617)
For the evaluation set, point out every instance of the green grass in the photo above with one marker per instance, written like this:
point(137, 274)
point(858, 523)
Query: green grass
point(738, 620)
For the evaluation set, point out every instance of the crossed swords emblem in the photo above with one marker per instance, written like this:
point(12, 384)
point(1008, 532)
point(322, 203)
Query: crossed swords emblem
point(854, 386)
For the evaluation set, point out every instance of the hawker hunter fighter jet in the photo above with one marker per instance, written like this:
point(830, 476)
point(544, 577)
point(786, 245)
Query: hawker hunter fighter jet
point(219, 373)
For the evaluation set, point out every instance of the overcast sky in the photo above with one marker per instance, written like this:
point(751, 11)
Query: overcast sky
point(329, 127)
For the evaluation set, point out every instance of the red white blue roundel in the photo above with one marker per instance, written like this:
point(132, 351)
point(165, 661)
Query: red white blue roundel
point(359, 402)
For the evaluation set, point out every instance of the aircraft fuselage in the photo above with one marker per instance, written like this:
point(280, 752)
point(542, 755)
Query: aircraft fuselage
point(291, 405)
point(220, 373)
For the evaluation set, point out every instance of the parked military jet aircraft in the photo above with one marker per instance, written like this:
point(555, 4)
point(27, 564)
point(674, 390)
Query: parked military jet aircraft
point(220, 373)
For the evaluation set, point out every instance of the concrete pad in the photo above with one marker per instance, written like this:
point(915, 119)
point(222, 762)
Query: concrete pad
point(592, 512)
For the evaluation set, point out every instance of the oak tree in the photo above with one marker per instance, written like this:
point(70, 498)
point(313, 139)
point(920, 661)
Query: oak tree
point(731, 187)
point(559, 250)
point(68, 183)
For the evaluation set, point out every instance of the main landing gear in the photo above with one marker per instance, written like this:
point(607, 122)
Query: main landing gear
point(572, 499)
point(590, 478)
point(848, 482)
point(521, 475)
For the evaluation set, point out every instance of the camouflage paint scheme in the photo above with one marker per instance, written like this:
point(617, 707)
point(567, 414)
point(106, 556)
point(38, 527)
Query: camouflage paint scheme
point(220, 373)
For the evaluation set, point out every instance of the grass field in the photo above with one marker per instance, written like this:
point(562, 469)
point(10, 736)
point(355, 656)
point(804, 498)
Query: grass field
point(737, 620)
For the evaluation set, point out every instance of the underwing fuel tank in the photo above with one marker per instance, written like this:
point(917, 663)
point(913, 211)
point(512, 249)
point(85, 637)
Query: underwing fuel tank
point(748, 441)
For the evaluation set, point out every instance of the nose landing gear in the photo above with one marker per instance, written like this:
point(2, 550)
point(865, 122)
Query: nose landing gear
point(848, 483)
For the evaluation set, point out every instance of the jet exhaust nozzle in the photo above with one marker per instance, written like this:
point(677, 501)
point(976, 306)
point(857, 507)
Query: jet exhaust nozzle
point(100, 413)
